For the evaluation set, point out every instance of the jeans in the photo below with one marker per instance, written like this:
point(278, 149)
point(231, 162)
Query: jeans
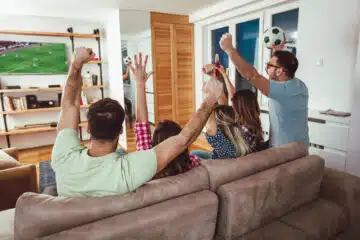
point(202, 154)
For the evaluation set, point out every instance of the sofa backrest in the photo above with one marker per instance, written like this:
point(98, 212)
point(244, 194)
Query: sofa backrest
point(42, 215)
point(192, 216)
point(228, 170)
point(251, 202)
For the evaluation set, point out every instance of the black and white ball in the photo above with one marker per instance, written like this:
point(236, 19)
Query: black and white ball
point(127, 61)
point(274, 36)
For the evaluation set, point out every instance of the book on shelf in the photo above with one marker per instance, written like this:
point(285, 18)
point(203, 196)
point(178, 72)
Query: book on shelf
point(15, 103)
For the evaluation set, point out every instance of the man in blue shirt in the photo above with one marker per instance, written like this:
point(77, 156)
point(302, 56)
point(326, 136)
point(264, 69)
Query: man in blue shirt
point(288, 96)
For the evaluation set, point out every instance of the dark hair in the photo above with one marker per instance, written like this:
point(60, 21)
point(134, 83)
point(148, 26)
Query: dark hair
point(248, 111)
point(163, 131)
point(105, 119)
point(288, 61)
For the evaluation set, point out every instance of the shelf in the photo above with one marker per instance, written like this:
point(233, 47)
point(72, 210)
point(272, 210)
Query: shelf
point(57, 89)
point(49, 34)
point(37, 110)
point(33, 130)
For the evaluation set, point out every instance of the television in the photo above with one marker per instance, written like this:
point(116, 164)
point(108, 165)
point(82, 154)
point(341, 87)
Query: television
point(32, 58)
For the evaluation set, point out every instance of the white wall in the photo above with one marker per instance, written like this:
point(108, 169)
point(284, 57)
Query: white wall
point(109, 26)
point(328, 30)
point(353, 158)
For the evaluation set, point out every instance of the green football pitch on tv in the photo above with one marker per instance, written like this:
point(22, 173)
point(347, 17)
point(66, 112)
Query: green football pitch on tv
point(45, 58)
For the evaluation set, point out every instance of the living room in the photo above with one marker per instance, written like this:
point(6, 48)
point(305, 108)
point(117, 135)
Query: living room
point(180, 38)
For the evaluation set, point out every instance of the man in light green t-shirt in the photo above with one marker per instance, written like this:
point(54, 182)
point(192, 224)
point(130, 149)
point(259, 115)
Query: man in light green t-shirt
point(99, 170)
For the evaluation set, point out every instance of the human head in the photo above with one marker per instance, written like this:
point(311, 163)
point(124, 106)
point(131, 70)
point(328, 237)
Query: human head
point(163, 131)
point(226, 120)
point(247, 108)
point(105, 118)
point(282, 66)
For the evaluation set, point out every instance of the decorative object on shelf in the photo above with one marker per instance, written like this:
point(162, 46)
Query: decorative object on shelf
point(55, 86)
point(94, 79)
point(59, 98)
point(27, 126)
point(335, 113)
point(31, 101)
point(83, 100)
point(87, 79)
point(47, 104)
point(13, 87)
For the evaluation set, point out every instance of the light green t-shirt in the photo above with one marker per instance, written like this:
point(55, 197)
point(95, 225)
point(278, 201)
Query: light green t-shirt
point(78, 174)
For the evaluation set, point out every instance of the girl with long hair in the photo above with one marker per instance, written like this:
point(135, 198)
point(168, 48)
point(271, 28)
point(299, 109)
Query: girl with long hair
point(233, 131)
point(165, 129)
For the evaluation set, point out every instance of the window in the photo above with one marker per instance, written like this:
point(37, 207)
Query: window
point(247, 44)
point(215, 37)
point(288, 21)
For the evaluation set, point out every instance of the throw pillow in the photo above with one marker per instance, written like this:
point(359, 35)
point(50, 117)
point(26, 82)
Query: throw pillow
point(7, 161)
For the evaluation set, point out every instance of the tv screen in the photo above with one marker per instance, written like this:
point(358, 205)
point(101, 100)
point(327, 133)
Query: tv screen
point(32, 58)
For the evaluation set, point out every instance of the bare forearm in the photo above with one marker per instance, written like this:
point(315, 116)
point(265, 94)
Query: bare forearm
point(73, 86)
point(230, 88)
point(244, 68)
point(193, 129)
point(141, 106)
point(249, 72)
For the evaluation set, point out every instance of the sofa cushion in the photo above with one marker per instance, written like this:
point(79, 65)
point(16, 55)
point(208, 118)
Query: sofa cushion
point(322, 219)
point(248, 203)
point(192, 216)
point(276, 231)
point(344, 189)
point(33, 211)
point(7, 161)
point(7, 224)
point(351, 233)
point(228, 170)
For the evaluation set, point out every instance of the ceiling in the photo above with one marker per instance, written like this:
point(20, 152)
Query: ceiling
point(166, 6)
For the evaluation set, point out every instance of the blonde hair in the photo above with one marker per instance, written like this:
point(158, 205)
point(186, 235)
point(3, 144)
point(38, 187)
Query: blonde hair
point(226, 119)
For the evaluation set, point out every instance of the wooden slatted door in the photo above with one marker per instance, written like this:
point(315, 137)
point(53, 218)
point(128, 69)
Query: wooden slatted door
point(184, 86)
point(173, 61)
point(162, 64)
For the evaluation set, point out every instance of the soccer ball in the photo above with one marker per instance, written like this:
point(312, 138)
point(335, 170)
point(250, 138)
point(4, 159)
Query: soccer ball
point(127, 61)
point(274, 36)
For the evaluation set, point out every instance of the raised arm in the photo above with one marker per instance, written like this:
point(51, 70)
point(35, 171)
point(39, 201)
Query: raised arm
point(167, 150)
point(229, 86)
point(70, 103)
point(139, 71)
point(243, 67)
point(126, 75)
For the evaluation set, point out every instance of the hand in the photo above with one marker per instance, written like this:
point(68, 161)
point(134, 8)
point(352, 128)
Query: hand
point(280, 47)
point(226, 43)
point(83, 55)
point(213, 89)
point(222, 70)
point(139, 71)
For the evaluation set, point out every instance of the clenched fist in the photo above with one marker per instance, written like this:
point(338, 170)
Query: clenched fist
point(83, 55)
point(226, 42)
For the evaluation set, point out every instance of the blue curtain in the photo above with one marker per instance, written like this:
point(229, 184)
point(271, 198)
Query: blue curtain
point(247, 35)
point(216, 36)
point(288, 21)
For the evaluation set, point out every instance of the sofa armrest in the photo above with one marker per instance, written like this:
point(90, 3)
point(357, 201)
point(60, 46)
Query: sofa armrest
point(14, 152)
point(343, 189)
point(14, 182)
